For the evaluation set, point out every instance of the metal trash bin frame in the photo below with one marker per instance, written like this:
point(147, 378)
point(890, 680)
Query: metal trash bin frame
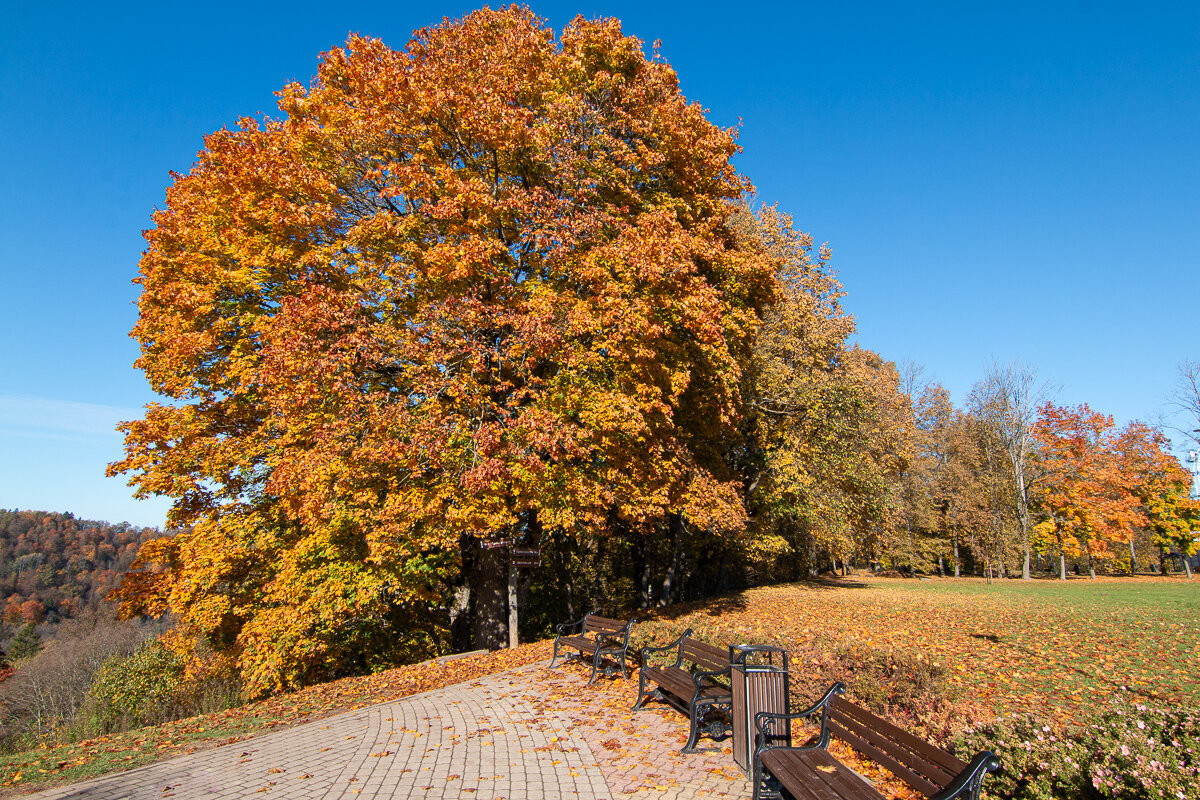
point(757, 687)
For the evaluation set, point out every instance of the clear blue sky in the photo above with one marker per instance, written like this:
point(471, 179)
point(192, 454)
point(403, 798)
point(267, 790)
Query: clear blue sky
point(996, 181)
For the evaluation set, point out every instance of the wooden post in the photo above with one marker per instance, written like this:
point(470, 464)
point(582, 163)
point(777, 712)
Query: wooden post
point(513, 633)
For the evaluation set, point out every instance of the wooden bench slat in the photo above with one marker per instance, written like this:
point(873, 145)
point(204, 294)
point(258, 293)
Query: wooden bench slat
point(816, 775)
point(884, 758)
point(788, 769)
point(576, 640)
point(674, 676)
point(679, 683)
point(813, 774)
point(841, 781)
point(946, 764)
point(789, 772)
point(707, 656)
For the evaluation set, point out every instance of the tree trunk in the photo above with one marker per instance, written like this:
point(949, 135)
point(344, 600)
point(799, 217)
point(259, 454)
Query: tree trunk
point(460, 620)
point(1187, 566)
point(489, 581)
point(675, 523)
point(514, 635)
point(1062, 565)
point(957, 558)
point(1132, 558)
point(1023, 516)
point(1091, 566)
point(813, 568)
point(642, 567)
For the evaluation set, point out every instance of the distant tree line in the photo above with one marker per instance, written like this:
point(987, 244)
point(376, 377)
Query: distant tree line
point(1014, 485)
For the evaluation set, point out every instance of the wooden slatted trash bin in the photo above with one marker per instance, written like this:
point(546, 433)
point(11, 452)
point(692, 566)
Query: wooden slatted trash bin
point(759, 679)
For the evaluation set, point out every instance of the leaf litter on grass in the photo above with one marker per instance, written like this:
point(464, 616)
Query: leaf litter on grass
point(1060, 651)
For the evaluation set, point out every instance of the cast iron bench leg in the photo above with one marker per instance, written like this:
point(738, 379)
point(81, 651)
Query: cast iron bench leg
point(595, 666)
point(693, 734)
point(641, 698)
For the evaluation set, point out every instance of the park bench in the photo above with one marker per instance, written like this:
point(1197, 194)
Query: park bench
point(811, 773)
point(598, 637)
point(694, 690)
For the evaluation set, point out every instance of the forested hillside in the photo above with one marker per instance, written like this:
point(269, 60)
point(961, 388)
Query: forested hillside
point(53, 566)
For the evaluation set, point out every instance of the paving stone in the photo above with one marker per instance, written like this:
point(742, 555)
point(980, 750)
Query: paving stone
point(528, 734)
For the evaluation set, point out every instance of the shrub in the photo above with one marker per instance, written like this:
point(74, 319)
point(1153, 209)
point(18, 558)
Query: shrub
point(139, 689)
point(44, 694)
point(1133, 752)
point(1037, 762)
point(1144, 752)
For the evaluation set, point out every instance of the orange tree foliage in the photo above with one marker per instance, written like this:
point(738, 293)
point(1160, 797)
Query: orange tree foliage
point(1161, 486)
point(483, 280)
point(1085, 497)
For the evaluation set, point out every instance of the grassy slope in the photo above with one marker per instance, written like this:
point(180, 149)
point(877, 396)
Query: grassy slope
point(54, 765)
point(1061, 649)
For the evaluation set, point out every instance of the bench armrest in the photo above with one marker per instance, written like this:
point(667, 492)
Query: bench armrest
point(664, 648)
point(612, 642)
point(563, 629)
point(703, 678)
point(763, 718)
point(617, 638)
point(970, 780)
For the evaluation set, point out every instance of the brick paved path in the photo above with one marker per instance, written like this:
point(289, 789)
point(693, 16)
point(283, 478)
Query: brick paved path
point(528, 734)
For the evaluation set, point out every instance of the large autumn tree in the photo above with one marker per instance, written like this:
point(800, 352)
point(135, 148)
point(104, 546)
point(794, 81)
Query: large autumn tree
point(1082, 495)
point(1162, 488)
point(830, 431)
point(468, 291)
point(1007, 401)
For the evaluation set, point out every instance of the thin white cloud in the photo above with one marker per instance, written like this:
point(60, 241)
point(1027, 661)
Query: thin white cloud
point(61, 419)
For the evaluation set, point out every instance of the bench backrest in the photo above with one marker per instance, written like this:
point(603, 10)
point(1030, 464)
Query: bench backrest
point(597, 624)
point(708, 657)
point(925, 768)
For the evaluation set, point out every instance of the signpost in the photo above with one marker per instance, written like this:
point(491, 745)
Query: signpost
point(527, 557)
point(518, 558)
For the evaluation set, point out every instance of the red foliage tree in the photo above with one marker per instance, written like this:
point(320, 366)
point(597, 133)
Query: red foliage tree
point(33, 611)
